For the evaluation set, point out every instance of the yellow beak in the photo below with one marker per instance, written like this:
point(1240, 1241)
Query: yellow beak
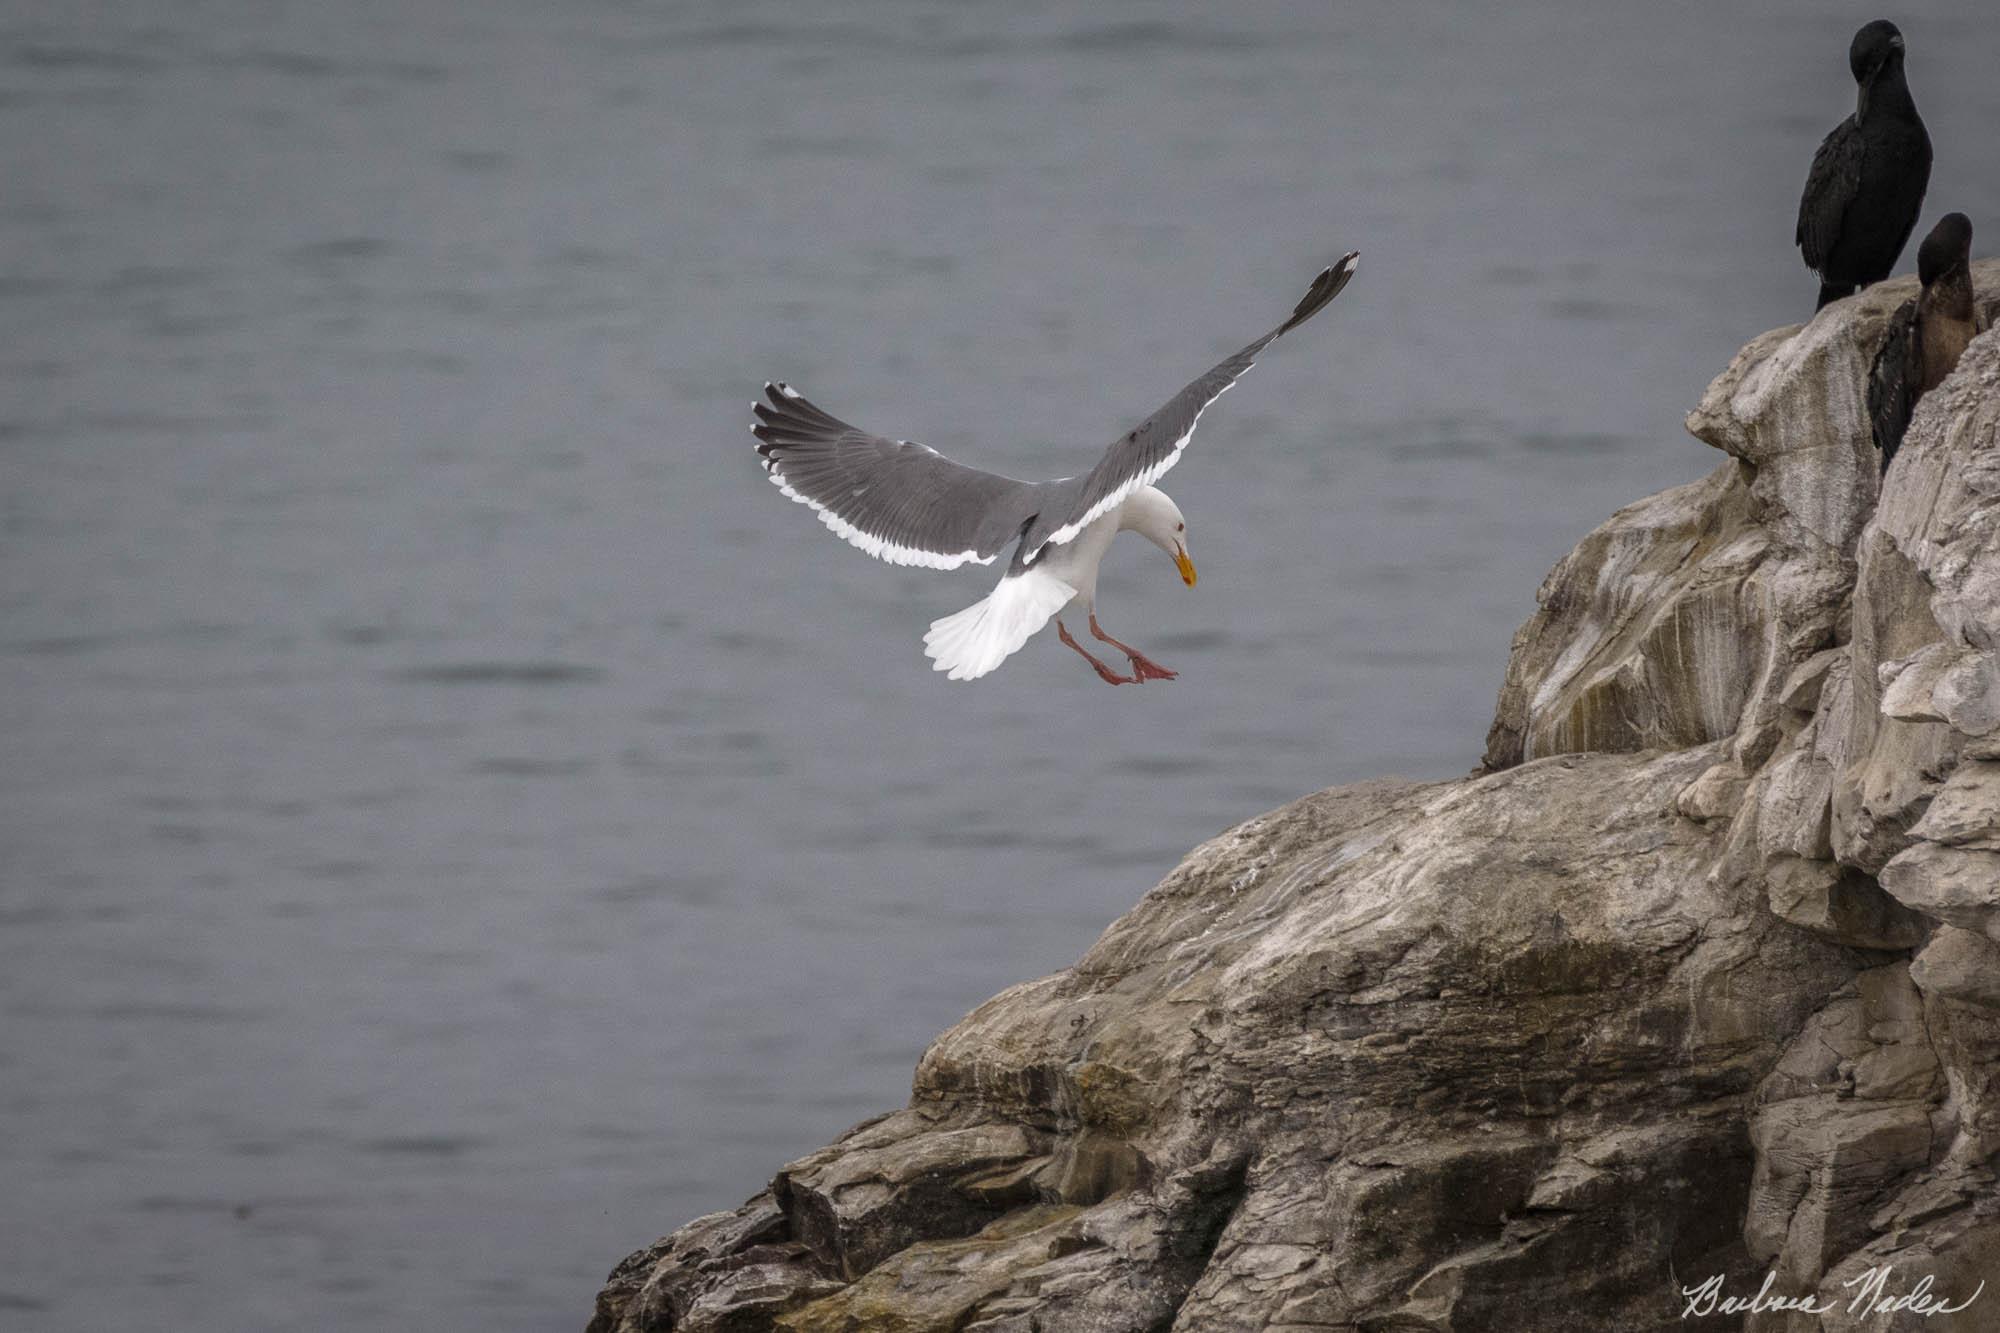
point(1186, 565)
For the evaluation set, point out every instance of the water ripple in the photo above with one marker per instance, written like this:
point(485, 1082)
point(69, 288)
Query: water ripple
point(501, 673)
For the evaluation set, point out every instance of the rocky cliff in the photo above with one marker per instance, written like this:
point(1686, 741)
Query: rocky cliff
point(1698, 977)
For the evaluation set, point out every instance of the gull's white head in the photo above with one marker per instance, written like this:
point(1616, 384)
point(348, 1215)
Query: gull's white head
point(1148, 512)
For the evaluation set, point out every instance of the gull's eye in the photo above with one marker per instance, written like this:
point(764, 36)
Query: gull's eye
point(1180, 527)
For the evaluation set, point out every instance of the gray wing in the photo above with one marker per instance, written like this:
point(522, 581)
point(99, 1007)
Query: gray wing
point(1893, 380)
point(1831, 185)
point(899, 501)
point(1141, 456)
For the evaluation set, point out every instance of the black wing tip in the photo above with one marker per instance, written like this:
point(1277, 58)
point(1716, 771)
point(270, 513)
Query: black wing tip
point(790, 404)
point(762, 428)
point(1325, 287)
point(781, 410)
point(785, 421)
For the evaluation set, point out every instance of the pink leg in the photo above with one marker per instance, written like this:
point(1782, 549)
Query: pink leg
point(1143, 667)
point(1109, 676)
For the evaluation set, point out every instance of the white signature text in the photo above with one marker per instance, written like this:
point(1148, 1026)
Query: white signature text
point(1871, 1296)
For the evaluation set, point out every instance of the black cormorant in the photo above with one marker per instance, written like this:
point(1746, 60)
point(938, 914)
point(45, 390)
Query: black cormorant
point(1926, 334)
point(1868, 177)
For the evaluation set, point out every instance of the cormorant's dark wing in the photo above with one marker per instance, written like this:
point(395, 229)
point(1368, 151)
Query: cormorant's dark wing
point(899, 501)
point(1142, 456)
point(1893, 380)
point(1831, 185)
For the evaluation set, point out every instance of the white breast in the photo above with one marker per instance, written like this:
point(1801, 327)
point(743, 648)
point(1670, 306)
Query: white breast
point(1075, 563)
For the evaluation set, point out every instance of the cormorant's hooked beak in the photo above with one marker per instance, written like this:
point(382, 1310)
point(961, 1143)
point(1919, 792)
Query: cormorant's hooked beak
point(1186, 565)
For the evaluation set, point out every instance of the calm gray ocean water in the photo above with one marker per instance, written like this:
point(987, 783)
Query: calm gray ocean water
point(457, 821)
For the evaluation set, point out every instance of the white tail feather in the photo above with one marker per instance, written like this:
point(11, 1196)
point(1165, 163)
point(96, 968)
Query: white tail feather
point(970, 643)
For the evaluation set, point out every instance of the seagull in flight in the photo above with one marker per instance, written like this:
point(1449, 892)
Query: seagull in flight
point(908, 504)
